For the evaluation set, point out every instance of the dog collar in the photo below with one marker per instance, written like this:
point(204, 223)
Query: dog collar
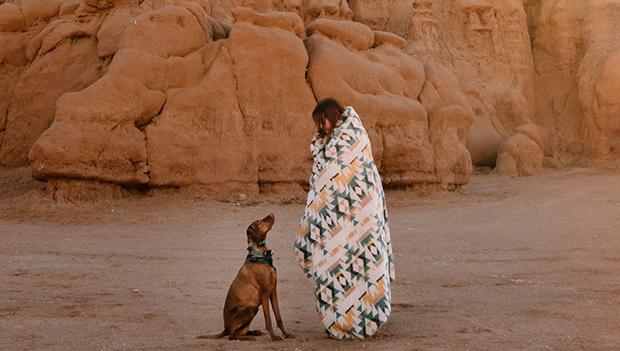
point(260, 256)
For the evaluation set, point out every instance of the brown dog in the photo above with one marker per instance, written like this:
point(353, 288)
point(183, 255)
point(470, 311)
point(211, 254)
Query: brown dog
point(254, 286)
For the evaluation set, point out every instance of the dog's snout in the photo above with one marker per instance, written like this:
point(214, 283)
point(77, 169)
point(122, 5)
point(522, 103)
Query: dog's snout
point(268, 221)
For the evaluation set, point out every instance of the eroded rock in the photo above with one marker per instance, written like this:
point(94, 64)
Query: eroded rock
point(70, 67)
point(39, 10)
point(520, 156)
point(11, 18)
point(167, 31)
point(164, 92)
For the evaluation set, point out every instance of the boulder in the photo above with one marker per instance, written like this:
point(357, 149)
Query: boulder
point(112, 28)
point(382, 37)
point(287, 21)
point(167, 31)
point(69, 7)
point(350, 34)
point(313, 9)
point(39, 10)
point(539, 135)
point(67, 30)
point(11, 18)
point(112, 99)
point(372, 13)
point(520, 156)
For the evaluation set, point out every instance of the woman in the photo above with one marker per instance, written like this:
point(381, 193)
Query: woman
point(344, 240)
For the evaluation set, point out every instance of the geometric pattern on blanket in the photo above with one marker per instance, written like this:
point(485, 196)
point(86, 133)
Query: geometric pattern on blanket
point(344, 242)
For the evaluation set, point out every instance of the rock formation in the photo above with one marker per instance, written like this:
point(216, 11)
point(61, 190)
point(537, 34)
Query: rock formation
point(520, 156)
point(577, 51)
point(218, 93)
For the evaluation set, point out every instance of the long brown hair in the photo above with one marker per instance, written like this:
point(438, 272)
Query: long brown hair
point(327, 109)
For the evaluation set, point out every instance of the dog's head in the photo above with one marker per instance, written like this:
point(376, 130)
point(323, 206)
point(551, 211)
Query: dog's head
point(257, 231)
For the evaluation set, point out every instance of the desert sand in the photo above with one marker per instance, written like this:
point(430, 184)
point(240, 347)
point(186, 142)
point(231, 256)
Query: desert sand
point(502, 264)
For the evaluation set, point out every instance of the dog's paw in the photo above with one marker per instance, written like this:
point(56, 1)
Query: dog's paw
point(276, 338)
point(289, 336)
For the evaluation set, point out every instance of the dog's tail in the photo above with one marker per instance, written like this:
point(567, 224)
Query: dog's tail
point(218, 336)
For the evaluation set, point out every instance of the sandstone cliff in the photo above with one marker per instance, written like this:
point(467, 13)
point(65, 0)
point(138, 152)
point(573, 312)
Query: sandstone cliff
point(218, 93)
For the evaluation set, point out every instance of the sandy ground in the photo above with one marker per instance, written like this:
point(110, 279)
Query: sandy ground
point(506, 264)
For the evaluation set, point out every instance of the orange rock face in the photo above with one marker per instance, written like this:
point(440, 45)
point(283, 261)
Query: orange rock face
point(219, 93)
point(576, 50)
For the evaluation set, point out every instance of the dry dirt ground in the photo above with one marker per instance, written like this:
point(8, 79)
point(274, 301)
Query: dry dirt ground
point(506, 264)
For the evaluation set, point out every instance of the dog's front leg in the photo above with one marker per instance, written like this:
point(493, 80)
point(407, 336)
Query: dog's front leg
point(276, 311)
point(265, 304)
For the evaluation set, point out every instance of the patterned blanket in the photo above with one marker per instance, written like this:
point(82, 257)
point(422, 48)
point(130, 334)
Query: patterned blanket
point(344, 240)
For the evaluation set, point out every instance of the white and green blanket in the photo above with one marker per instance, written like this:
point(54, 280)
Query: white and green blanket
point(344, 240)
